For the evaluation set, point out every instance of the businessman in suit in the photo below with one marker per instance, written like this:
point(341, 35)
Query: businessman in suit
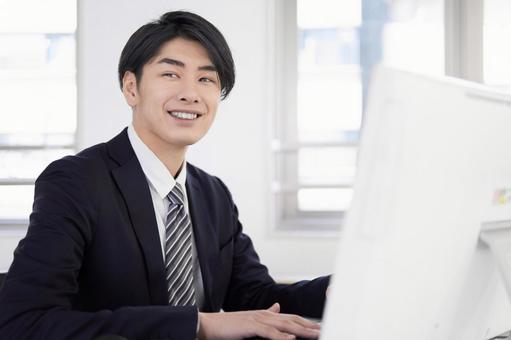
point(128, 238)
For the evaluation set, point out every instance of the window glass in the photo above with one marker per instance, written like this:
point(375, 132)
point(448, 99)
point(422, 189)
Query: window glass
point(325, 199)
point(339, 42)
point(413, 37)
point(497, 50)
point(38, 86)
point(27, 164)
point(329, 87)
point(37, 80)
point(327, 165)
point(16, 201)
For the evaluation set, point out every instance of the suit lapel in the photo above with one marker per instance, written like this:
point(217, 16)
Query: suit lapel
point(134, 188)
point(206, 238)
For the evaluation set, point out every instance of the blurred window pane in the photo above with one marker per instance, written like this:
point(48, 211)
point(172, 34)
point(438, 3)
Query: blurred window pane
point(27, 164)
point(38, 86)
point(339, 42)
point(37, 78)
point(329, 103)
point(327, 165)
point(28, 16)
point(36, 139)
point(324, 199)
point(497, 50)
point(413, 37)
point(329, 93)
point(16, 201)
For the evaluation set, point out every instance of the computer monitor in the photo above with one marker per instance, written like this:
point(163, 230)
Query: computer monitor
point(434, 166)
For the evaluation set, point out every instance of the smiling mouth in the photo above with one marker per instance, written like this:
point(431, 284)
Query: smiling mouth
point(184, 115)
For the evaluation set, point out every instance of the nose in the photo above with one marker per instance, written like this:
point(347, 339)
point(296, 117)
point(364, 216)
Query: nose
point(189, 93)
point(189, 98)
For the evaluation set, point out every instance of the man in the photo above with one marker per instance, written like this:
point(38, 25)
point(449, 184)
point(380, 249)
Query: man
point(127, 238)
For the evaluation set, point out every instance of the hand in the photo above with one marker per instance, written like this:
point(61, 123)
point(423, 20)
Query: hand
point(267, 323)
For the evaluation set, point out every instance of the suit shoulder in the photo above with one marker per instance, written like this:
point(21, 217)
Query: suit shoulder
point(207, 180)
point(82, 164)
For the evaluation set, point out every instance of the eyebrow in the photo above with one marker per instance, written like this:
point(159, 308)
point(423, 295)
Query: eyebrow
point(178, 63)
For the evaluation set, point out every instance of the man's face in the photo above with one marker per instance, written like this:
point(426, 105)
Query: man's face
point(175, 101)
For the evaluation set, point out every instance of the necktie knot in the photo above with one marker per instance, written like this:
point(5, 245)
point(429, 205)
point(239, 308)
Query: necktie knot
point(176, 195)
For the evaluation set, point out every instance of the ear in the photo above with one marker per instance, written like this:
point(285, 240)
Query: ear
point(129, 88)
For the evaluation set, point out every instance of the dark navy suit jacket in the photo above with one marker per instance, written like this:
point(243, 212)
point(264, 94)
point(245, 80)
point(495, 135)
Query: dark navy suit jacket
point(91, 261)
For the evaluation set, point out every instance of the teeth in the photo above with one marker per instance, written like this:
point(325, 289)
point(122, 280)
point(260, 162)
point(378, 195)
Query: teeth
point(184, 115)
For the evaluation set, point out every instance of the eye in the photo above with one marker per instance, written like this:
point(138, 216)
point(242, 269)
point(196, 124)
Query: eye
point(207, 80)
point(170, 75)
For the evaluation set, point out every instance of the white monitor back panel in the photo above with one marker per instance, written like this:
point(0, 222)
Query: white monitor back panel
point(410, 264)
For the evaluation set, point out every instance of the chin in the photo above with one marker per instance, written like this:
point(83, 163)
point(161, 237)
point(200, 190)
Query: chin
point(182, 137)
point(183, 142)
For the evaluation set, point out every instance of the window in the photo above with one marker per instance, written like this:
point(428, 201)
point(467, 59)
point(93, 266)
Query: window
point(38, 86)
point(325, 51)
point(497, 52)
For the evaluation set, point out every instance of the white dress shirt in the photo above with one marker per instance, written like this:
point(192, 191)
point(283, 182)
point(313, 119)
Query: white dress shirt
point(161, 182)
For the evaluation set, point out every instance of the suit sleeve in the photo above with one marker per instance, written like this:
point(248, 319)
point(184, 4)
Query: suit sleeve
point(251, 286)
point(37, 297)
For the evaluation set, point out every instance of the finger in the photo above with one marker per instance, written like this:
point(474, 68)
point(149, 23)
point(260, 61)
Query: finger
point(297, 319)
point(275, 308)
point(270, 332)
point(288, 324)
point(267, 314)
point(304, 322)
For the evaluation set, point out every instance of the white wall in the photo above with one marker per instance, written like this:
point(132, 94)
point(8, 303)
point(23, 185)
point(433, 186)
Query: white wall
point(236, 148)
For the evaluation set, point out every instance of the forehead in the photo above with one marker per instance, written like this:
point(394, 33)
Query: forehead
point(185, 50)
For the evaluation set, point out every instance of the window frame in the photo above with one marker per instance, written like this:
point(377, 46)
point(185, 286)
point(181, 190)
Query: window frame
point(463, 30)
point(464, 39)
point(15, 226)
point(283, 93)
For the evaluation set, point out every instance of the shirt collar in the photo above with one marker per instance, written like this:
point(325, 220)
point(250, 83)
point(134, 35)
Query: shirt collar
point(155, 171)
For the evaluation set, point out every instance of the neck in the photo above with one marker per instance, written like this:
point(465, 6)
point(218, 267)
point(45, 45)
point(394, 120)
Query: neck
point(171, 156)
point(172, 159)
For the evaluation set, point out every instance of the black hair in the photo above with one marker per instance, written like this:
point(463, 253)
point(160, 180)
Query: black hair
point(147, 41)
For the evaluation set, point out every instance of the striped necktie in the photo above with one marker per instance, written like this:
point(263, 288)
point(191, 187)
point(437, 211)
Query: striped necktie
point(178, 251)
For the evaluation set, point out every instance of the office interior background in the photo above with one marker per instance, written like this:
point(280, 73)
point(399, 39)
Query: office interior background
point(285, 140)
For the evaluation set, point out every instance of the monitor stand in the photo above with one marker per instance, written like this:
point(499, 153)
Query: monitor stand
point(497, 235)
